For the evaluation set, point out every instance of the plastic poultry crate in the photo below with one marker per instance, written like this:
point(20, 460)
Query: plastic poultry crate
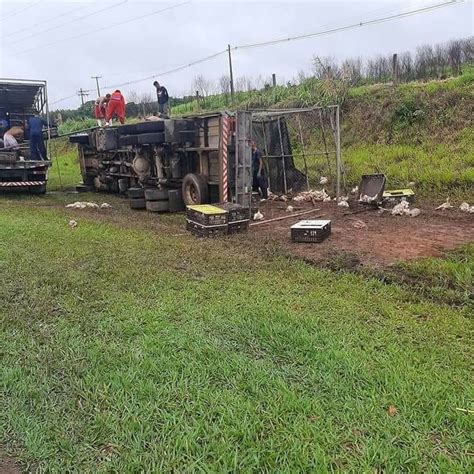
point(371, 188)
point(311, 231)
point(206, 230)
point(238, 227)
point(236, 212)
point(207, 215)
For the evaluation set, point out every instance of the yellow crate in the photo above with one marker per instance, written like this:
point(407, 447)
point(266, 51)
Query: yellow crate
point(207, 209)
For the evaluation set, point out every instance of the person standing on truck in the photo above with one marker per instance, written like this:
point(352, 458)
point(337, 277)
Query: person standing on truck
point(162, 97)
point(100, 108)
point(116, 105)
point(35, 130)
point(258, 170)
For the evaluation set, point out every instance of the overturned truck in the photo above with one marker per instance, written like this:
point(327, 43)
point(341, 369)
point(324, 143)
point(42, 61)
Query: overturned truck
point(193, 160)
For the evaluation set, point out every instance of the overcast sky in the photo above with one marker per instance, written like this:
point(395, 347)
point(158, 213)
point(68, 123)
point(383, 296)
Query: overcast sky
point(66, 42)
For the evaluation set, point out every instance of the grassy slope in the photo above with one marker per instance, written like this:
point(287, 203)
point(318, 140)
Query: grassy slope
point(418, 132)
point(129, 350)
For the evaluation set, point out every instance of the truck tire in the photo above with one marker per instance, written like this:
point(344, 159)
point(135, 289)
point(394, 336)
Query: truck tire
point(157, 206)
point(136, 193)
point(195, 189)
point(150, 127)
point(152, 194)
point(137, 203)
point(146, 138)
point(41, 189)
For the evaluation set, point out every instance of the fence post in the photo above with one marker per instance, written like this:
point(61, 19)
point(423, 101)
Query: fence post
point(231, 74)
point(395, 69)
point(338, 155)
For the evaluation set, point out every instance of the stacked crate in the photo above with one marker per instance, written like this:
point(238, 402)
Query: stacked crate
point(238, 217)
point(205, 220)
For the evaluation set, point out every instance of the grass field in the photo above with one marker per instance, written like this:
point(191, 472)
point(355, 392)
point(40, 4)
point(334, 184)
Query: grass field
point(127, 350)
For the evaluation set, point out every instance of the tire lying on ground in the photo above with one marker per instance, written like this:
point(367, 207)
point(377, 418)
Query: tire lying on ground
point(136, 192)
point(195, 189)
point(152, 194)
point(137, 203)
point(157, 206)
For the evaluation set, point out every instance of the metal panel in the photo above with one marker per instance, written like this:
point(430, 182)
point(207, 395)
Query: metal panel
point(243, 158)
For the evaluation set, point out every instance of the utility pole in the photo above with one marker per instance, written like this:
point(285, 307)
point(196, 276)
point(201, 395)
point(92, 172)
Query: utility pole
point(231, 75)
point(274, 80)
point(97, 82)
point(82, 93)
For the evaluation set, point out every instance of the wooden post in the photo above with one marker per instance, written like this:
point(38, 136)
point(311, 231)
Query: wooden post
point(395, 69)
point(338, 156)
point(231, 74)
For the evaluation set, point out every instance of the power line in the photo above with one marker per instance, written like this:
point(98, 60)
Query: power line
point(54, 43)
point(352, 26)
point(40, 23)
point(21, 10)
point(164, 73)
point(282, 40)
point(66, 23)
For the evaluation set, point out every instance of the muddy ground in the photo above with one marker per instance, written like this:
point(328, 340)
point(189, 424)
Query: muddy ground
point(360, 235)
point(370, 237)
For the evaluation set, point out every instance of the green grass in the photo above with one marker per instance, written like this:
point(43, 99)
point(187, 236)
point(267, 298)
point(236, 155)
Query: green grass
point(141, 351)
point(64, 172)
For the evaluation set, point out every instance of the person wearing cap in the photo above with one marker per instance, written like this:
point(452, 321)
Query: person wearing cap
point(116, 106)
point(162, 97)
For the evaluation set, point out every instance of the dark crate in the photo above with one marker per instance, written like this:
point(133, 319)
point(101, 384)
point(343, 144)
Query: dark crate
point(373, 186)
point(311, 231)
point(239, 227)
point(206, 231)
point(206, 215)
point(236, 212)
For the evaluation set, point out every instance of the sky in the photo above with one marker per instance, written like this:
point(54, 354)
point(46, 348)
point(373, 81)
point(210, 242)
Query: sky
point(66, 42)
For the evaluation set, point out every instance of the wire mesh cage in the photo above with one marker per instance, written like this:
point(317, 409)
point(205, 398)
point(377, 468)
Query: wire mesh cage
point(300, 148)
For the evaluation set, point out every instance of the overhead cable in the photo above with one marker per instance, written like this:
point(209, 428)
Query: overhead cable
point(106, 27)
point(79, 18)
point(349, 27)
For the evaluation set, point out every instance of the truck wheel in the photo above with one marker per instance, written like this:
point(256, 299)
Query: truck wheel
point(38, 189)
point(152, 194)
point(157, 206)
point(137, 203)
point(136, 192)
point(195, 189)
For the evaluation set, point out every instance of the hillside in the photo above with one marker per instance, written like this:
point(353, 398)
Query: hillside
point(417, 131)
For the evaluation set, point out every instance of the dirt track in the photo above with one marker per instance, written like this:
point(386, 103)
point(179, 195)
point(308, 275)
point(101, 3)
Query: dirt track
point(385, 239)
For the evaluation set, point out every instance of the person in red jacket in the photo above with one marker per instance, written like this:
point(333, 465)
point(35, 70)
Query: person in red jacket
point(100, 108)
point(116, 106)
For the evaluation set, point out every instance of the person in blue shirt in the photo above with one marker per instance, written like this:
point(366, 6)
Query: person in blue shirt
point(37, 147)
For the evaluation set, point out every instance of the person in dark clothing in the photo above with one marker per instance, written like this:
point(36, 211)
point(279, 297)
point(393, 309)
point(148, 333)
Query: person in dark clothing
point(260, 183)
point(35, 130)
point(162, 97)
